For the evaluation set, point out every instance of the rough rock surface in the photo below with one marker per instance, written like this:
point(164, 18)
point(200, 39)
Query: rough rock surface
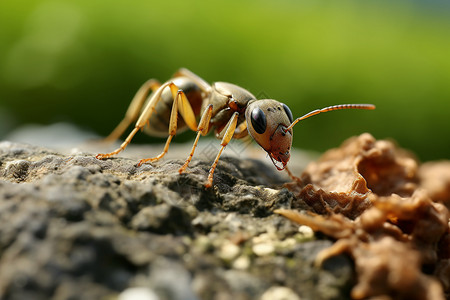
point(74, 227)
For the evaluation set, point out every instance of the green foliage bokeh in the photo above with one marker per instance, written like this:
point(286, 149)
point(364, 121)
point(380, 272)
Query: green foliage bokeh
point(82, 61)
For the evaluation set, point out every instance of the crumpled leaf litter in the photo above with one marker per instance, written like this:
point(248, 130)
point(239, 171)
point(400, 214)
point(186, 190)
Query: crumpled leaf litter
point(387, 211)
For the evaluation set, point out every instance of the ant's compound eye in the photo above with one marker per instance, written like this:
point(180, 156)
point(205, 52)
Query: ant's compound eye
point(259, 121)
point(288, 112)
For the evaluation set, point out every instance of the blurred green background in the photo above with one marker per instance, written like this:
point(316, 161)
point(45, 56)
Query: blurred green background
point(82, 61)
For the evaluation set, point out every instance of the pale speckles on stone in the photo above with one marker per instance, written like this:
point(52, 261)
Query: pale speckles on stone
point(279, 293)
point(263, 249)
point(228, 251)
point(306, 231)
point(242, 262)
point(138, 293)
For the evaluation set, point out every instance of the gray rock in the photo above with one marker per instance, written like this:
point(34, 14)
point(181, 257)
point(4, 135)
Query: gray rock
point(74, 227)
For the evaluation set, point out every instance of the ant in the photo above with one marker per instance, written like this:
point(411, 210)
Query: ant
point(231, 110)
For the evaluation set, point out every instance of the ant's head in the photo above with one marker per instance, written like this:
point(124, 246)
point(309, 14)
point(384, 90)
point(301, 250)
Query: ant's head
point(267, 122)
point(270, 124)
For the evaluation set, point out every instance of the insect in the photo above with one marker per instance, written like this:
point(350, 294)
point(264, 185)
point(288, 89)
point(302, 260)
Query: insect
point(232, 111)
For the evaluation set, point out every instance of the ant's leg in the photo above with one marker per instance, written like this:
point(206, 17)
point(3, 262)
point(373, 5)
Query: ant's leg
point(181, 105)
point(133, 110)
point(202, 129)
point(142, 121)
point(231, 126)
point(241, 130)
point(204, 86)
point(186, 111)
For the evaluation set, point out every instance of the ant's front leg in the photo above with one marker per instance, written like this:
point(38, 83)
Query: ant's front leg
point(293, 177)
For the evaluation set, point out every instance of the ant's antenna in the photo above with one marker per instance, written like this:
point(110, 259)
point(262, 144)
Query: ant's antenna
point(330, 108)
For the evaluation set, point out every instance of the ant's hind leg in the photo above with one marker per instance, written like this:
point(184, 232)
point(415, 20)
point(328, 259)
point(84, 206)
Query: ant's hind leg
point(133, 109)
point(142, 121)
point(204, 86)
point(181, 105)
